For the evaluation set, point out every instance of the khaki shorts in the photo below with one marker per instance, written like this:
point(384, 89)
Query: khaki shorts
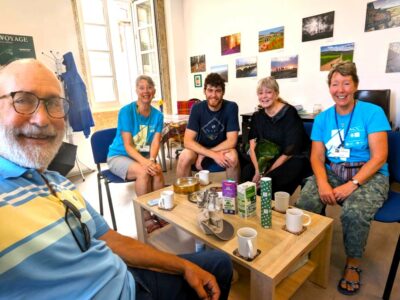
point(119, 165)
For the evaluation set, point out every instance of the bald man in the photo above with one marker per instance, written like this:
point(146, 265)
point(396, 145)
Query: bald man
point(53, 244)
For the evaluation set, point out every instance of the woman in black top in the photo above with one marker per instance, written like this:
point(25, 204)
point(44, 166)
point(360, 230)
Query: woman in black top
point(278, 122)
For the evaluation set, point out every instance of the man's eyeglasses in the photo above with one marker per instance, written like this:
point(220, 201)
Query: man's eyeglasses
point(26, 103)
point(85, 244)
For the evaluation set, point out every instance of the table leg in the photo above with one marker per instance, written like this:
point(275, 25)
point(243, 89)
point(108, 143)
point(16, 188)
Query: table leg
point(139, 219)
point(321, 255)
point(261, 287)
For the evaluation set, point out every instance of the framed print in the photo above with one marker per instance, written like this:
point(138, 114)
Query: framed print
point(393, 59)
point(382, 14)
point(284, 67)
point(246, 67)
point(222, 70)
point(230, 44)
point(318, 27)
point(271, 39)
point(334, 54)
point(198, 81)
point(198, 63)
point(14, 47)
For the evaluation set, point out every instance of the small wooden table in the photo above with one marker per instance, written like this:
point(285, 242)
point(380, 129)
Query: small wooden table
point(268, 276)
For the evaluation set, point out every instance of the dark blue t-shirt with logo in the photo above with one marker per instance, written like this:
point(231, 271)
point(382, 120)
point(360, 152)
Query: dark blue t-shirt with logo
point(212, 126)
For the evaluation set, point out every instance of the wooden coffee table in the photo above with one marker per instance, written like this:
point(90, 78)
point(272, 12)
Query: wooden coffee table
point(269, 276)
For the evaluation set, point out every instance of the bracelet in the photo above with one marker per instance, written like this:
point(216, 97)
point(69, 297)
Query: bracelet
point(152, 159)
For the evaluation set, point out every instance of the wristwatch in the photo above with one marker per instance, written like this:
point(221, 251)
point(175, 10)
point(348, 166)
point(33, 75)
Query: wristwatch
point(355, 182)
point(152, 159)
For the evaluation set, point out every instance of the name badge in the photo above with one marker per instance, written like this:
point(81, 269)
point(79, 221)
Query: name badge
point(341, 153)
point(344, 153)
point(144, 148)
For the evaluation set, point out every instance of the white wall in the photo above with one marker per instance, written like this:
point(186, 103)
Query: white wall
point(49, 22)
point(201, 25)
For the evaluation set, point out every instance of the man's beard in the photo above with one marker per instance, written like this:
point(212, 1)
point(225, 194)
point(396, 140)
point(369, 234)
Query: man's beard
point(29, 156)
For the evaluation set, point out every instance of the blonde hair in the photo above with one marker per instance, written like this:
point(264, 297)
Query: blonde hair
point(269, 83)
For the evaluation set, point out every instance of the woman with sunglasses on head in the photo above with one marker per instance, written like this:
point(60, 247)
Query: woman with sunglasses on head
point(348, 157)
point(132, 155)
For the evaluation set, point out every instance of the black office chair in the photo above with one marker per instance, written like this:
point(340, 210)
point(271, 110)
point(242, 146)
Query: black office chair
point(378, 97)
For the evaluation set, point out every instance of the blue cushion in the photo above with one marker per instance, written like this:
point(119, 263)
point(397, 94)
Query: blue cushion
point(111, 177)
point(390, 211)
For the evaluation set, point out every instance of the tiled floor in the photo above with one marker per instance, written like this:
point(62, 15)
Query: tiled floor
point(377, 259)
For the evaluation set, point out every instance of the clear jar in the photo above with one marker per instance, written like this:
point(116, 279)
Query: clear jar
point(216, 212)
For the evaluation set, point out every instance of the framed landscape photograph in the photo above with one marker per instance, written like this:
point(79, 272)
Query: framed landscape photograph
point(198, 63)
point(230, 44)
point(382, 14)
point(318, 27)
point(198, 82)
point(246, 67)
point(284, 67)
point(393, 60)
point(331, 55)
point(222, 70)
point(271, 39)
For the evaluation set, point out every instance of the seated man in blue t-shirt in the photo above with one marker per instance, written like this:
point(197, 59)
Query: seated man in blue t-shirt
point(54, 245)
point(212, 132)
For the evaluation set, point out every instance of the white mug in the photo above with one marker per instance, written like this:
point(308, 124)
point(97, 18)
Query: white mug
point(247, 242)
point(281, 201)
point(166, 200)
point(203, 177)
point(294, 219)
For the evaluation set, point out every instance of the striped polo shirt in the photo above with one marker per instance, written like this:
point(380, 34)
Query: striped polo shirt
point(39, 257)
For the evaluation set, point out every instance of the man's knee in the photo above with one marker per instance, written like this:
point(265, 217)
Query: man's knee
point(186, 158)
point(232, 155)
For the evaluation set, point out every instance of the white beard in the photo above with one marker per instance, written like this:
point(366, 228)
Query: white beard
point(30, 156)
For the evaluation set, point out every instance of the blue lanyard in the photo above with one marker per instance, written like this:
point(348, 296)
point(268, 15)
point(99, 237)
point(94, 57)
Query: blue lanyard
point(348, 126)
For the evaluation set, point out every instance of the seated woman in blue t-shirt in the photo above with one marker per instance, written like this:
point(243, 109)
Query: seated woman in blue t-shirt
point(348, 157)
point(132, 155)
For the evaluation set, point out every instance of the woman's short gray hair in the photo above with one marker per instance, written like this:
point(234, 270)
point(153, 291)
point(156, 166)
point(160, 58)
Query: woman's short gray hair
point(344, 68)
point(148, 79)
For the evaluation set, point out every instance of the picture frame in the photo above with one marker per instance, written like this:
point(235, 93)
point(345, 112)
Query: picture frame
point(318, 27)
point(198, 63)
point(198, 82)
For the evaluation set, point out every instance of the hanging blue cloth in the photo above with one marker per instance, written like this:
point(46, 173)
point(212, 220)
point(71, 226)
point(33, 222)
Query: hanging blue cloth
point(80, 116)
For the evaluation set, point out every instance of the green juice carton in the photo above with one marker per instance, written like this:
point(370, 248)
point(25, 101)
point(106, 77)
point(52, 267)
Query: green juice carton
point(246, 199)
point(266, 196)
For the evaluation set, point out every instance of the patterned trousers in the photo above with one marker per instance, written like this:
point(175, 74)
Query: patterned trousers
point(358, 209)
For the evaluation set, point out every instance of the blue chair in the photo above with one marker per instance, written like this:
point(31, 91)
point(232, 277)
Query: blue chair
point(308, 127)
point(390, 211)
point(100, 142)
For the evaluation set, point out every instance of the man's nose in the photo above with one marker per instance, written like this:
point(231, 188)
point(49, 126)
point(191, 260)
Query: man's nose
point(40, 117)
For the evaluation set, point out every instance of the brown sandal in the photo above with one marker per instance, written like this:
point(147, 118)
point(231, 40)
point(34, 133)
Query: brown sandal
point(151, 225)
